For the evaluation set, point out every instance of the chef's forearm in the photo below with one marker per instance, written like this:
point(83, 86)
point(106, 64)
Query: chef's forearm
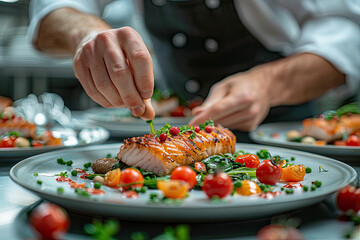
point(62, 30)
point(300, 78)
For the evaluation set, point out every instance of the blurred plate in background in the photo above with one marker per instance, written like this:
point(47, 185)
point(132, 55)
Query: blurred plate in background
point(121, 123)
point(264, 134)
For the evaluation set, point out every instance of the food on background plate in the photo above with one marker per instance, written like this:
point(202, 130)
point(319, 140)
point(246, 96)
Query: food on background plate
point(340, 127)
point(18, 132)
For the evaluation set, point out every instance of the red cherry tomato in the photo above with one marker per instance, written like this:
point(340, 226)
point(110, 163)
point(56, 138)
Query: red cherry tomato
point(131, 175)
point(50, 221)
point(200, 167)
point(174, 131)
point(278, 232)
point(178, 112)
point(163, 137)
point(7, 142)
point(197, 129)
point(208, 129)
point(352, 140)
point(348, 198)
point(186, 174)
point(268, 173)
point(219, 185)
point(250, 160)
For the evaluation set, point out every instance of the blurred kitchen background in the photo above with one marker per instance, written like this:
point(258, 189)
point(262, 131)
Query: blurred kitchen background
point(23, 70)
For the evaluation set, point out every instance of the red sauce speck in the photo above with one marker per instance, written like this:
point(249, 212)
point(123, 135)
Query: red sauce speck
point(79, 170)
point(130, 194)
point(64, 179)
point(275, 135)
point(269, 195)
point(76, 185)
point(94, 191)
point(84, 176)
point(293, 185)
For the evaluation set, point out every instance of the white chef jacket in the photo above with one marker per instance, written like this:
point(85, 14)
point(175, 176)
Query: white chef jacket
point(327, 28)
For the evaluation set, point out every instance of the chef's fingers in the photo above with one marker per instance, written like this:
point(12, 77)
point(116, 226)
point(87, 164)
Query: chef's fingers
point(83, 74)
point(120, 73)
point(100, 75)
point(149, 113)
point(139, 59)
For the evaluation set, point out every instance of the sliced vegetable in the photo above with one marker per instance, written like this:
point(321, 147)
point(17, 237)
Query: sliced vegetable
point(294, 173)
point(173, 188)
point(248, 188)
point(112, 178)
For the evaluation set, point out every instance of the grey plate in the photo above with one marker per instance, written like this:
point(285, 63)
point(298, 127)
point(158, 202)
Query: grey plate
point(120, 123)
point(82, 137)
point(195, 208)
point(263, 135)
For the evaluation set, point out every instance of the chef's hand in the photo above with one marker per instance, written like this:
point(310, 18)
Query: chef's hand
point(240, 101)
point(115, 69)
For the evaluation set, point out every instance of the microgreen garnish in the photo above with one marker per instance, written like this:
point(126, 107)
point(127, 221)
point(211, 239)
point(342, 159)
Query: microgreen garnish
point(321, 169)
point(36, 174)
point(164, 129)
point(87, 165)
point(102, 230)
point(151, 123)
point(62, 174)
point(263, 154)
point(63, 162)
point(202, 126)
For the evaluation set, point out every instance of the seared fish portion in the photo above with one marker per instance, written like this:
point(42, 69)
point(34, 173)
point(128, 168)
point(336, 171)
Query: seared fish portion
point(330, 130)
point(161, 157)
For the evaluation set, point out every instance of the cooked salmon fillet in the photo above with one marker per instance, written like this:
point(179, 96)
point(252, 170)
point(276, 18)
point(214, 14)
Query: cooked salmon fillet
point(330, 130)
point(153, 155)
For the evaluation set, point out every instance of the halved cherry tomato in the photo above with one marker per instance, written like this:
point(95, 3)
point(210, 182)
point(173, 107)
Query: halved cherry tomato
point(348, 198)
point(294, 173)
point(219, 185)
point(50, 221)
point(200, 167)
point(339, 143)
point(173, 188)
point(248, 188)
point(112, 178)
point(131, 175)
point(130, 194)
point(35, 143)
point(7, 142)
point(352, 140)
point(268, 173)
point(186, 174)
point(250, 160)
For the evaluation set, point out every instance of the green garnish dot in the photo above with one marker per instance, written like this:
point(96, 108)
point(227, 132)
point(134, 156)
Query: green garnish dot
point(39, 182)
point(313, 188)
point(317, 183)
point(292, 158)
point(308, 170)
point(74, 173)
point(60, 190)
point(97, 185)
point(87, 165)
point(36, 174)
point(305, 188)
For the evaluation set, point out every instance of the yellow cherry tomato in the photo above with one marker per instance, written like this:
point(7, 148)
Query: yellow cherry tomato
point(248, 188)
point(112, 178)
point(173, 188)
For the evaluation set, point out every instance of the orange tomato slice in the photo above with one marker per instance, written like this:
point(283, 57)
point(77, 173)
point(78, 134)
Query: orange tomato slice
point(112, 178)
point(293, 173)
point(173, 188)
point(248, 188)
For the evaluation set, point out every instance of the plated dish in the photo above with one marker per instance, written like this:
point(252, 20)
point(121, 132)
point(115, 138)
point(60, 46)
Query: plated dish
point(195, 207)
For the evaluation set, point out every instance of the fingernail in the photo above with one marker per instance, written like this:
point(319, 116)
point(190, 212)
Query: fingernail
point(146, 94)
point(137, 111)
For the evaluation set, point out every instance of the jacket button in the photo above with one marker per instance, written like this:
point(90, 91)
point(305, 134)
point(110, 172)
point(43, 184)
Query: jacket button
point(179, 40)
point(192, 86)
point(212, 4)
point(211, 45)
